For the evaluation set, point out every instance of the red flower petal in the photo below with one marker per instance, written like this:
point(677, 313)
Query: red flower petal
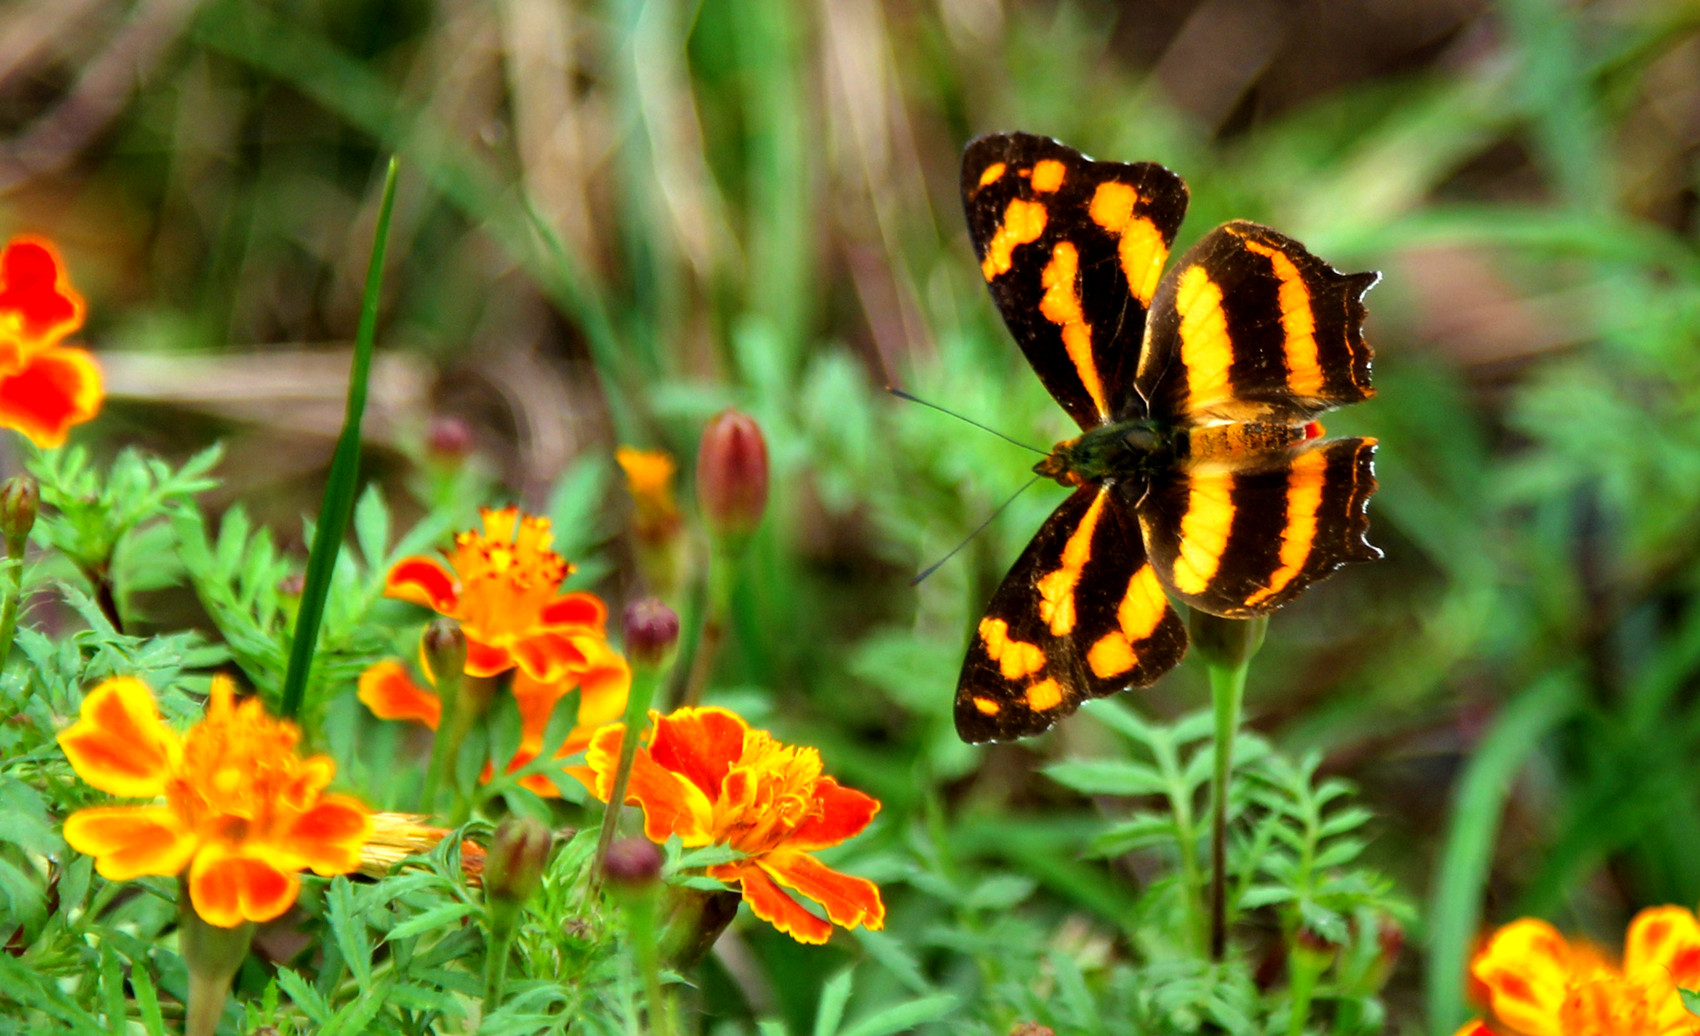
point(387, 690)
point(55, 390)
point(328, 837)
point(576, 610)
point(227, 888)
point(120, 745)
point(35, 292)
point(844, 813)
point(701, 744)
point(672, 805)
point(423, 581)
point(770, 903)
point(129, 841)
point(545, 656)
point(849, 901)
point(486, 659)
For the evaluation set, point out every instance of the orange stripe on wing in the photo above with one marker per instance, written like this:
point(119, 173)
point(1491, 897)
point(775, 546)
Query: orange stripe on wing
point(1056, 590)
point(1140, 244)
point(1140, 612)
point(1304, 496)
point(1206, 349)
point(1298, 322)
point(1204, 533)
point(1061, 305)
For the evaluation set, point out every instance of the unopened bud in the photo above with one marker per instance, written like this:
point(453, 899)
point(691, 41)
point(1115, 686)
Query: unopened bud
point(652, 629)
point(293, 584)
point(732, 474)
point(20, 501)
point(519, 851)
point(633, 864)
point(449, 439)
point(1229, 643)
point(444, 646)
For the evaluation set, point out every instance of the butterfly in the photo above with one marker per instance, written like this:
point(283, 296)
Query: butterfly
point(1199, 473)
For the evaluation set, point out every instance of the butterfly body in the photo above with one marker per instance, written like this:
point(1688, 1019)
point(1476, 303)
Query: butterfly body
point(1198, 473)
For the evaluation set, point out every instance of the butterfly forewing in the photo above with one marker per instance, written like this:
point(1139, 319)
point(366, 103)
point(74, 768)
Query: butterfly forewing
point(1244, 538)
point(1080, 615)
point(1249, 326)
point(1073, 251)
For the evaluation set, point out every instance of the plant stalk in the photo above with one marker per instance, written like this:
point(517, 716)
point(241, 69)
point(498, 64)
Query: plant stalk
point(1227, 692)
point(644, 681)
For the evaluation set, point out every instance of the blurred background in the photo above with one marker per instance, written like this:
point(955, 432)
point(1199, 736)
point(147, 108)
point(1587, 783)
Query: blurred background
point(617, 218)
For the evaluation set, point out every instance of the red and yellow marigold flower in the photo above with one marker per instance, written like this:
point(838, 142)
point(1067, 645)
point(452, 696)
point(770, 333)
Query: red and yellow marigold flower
point(649, 479)
point(602, 680)
point(45, 387)
point(709, 779)
point(242, 812)
point(503, 587)
point(1538, 984)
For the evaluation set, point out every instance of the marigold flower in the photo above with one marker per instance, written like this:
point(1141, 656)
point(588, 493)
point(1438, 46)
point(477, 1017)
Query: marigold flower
point(602, 679)
point(503, 587)
point(1538, 984)
point(45, 387)
point(649, 478)
point(709, 779)
point(243, 813)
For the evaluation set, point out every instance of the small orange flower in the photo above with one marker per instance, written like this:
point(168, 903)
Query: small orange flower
point(503, 587)
point(603, 681)
point(1540, 985)
point(45, 387)
point(649, 478)
point(242, 811)
point(708, 778)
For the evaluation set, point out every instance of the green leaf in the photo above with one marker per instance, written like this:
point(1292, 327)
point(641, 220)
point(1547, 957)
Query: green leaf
point(1690, 1000)
point(436, 917)
point(904, 1016)
point(833, 998)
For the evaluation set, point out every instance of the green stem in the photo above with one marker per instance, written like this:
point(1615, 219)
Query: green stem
point(496, 965)
point(722, 567)
point(1301, 987)
point(640, 916)
point(11, 598)
point(452, 728)
point(212, 955)
point(644, 681)
point(1227, 691)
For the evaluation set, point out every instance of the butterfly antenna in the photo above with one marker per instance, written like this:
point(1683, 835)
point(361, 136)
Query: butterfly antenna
point(900, 394)
point(934, 567)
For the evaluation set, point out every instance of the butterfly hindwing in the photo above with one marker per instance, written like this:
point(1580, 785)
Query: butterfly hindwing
point(1080, 615)
point(1073, 251)
point(1249, 326)
point(1243, 538)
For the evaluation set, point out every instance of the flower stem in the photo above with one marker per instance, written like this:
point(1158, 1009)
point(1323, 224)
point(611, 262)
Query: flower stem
point(212, 955)
point(722, 567)
point(496, 966)
point(11, 598)
point(644, 681)
point(640, 917)
point(1227, 646)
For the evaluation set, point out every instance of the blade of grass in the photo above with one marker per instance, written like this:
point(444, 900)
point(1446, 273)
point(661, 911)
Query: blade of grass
point(1455, 904)
point(338, 505)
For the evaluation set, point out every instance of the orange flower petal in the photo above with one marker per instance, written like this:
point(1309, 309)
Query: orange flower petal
point(390, 693)
point(536, 701)
point(849, 901)
point(547, 656)
point(486, 659)
point(120, 744)
point(36, 300)
point(229, 887)
point(844, 812)
point(770, 903)
point(1526, 967)
point(578, 609)
point(701, 744)
point(423, 581)
point(130, 841)
point(55, 390)
point(672, 805)
point(328, 837)
point(1475, 1028)
point(1663, 944)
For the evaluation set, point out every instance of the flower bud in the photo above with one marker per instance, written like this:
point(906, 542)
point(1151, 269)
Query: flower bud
point(444, 646)
point(1228, 643)
point(518, 853)
point(652, 630)
point(292, 585)
point(732, 474)
point(448, 440)
point(20, 500)
point(633, 864)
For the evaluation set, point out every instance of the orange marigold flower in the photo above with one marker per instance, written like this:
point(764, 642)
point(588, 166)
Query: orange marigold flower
point(503, 587)
point(242, 811)
point(709, 779)
point(45, 387)
point(649, 478)
point(1538, 984)
point(602, 679)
